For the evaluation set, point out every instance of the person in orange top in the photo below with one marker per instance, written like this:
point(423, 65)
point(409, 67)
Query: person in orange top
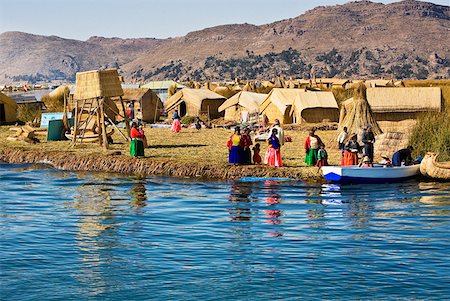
point(351, 150)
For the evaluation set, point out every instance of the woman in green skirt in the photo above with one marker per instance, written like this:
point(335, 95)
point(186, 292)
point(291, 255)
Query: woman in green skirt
point(312, 145)
point(137, 144)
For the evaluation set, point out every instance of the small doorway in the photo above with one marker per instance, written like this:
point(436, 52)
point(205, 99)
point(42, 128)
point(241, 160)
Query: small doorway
point(182, 109)
point(2, 113)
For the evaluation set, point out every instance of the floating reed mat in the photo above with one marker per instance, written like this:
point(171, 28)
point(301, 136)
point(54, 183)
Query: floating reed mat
point(134, 166)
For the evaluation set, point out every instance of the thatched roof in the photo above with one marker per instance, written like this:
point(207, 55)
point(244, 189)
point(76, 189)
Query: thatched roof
point(193, 96)
point(415, 99)
point(162, 85)
point(311, 99)
point(248, 100)
point(332, 81)
point(134, 93)
point(8, 101)
point(97, 83)
point(281, 98)
point(379, 83)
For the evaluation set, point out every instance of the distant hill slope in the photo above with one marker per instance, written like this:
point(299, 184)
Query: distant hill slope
point(407, 39)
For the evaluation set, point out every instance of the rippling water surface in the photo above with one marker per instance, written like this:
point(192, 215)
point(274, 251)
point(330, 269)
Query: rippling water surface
point(84, 236)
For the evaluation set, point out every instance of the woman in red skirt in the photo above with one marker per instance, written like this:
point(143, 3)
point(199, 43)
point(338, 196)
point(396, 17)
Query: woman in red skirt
point(273, 154)
point(351, 152)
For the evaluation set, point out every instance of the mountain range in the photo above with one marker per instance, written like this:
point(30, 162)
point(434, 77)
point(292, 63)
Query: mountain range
point(362, 39)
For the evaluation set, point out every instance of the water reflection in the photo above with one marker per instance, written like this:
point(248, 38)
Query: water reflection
point(240, 198)
point(139, 192)
point(97, 235)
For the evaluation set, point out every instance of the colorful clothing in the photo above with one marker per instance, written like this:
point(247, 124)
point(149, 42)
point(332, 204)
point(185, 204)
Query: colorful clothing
point(311, 146)
point(350, 153)
point(235, 155)
point(273, 154)
point(322, 158)
point(137, 144)
point(176, 126)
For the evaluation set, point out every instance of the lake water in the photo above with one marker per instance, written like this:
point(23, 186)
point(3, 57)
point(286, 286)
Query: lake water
point(86, 236)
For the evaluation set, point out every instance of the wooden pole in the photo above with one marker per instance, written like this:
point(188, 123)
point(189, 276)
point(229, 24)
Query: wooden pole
point(127, 122)
point(99, 126)
point(156, 109)
point(74, 138)
point(102, 120)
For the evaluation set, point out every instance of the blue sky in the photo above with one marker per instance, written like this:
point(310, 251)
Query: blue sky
point(80, 19)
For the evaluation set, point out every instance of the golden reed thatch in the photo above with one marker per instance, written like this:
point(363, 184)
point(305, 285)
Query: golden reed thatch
point(97, 83)
point(357, 114)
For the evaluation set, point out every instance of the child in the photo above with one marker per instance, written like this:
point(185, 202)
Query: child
point(322, 156)
point(366, 162)
point(256, 156)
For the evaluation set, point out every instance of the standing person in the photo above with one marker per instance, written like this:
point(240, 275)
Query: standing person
point(351, 150)
point(144, 138)
point(322, 157)
point(280, 132)
point(273, 153)
point(341, 139)
point(176, 125)
point(235, 155)
point(246, 142)
point(403, 155)
point(312, 144)
point(137, 144)
point(139, 116)
point(256, 155)
point(368, 139)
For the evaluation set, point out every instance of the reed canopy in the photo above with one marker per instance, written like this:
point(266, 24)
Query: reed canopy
point(97, 83)
point(278, 104)
point(8, 109)
point(400, 103)
point(195, 102)
point(240, 104)
point(315, 107)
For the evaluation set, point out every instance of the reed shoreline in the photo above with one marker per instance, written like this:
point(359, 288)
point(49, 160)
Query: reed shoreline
point(125, 164)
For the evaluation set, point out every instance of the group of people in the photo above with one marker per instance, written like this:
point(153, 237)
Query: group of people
point(352, 148)
point(239, 145)
point(176, 124)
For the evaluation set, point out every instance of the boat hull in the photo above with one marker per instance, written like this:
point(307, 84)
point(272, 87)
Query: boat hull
point(376, 174)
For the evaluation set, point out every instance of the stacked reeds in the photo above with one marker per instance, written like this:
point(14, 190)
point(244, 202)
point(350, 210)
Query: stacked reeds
point(357, 114)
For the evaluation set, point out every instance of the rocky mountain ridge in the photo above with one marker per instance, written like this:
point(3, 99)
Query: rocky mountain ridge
point(359, 39)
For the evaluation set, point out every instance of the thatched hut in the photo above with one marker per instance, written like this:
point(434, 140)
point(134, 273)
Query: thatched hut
point(143, 99)
point(8, 109)
point(397, 104)
point(315, 107)
point(242, 104)
point(278, 104)
point(195, 102)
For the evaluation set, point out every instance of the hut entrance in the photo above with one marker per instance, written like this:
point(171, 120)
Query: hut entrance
point(183, 109)
point(2, 113)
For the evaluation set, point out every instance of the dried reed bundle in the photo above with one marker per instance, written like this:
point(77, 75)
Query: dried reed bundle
point(358, 113)
point(54, 101)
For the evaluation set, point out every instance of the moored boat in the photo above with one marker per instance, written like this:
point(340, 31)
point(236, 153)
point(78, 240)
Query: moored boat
point(376, 174)
point(430, 168)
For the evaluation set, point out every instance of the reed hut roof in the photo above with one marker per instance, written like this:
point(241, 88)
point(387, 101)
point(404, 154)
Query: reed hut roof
point(249, 100)
point(379, 83)
point(312, 99)
point(134, 93)
point(193, 96)
point(97, 83)
point(7, 101)
point(281, 98)
point(333, 81)
point(411, 99)
point(162, 85)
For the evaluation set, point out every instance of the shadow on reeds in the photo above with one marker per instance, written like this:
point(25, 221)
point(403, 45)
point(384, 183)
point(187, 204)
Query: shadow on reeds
point(177, 145)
